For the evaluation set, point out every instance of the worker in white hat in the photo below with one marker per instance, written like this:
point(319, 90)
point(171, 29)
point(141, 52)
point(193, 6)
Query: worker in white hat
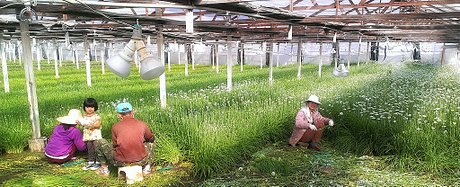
point(309, 125)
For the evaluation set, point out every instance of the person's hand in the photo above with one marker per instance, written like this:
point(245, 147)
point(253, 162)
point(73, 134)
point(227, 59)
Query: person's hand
point(312, 127)
point(331, 123)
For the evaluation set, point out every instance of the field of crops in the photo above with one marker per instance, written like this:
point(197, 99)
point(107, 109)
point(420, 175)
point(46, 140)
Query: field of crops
point(409, 112)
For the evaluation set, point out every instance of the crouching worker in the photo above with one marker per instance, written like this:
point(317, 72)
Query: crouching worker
point(127, 147)
point(66, 138)
point(309, 125)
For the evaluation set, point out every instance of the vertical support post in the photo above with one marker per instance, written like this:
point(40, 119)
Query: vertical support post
point(39, 55)
point(299, 58)
point(192, 55)
point(442, 54)
point(320, 66)
point(263, 55)
point(60, 55)
point(217, 58)
point(76, 59)
point(13, 47)
point(87, 60)
point(6, 83)
point(292, 53)
point(178, 53)
point(270, 63)
point(95, 49)
point(48, 51)
point(187, 56)
point(278, 56)
point(56, 69)
point(367, 53)
point(20, 53)
point(359, 51)
point(229, 63)
point(212, 57)
point(290, 33)
point(34, 144)
point(189, 21)
point(162, 76)
point(241, 56)
point(349, 52)
point(103, 58)
point(169, 56)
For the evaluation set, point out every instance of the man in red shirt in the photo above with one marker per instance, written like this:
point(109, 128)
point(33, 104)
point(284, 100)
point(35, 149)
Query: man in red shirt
point(131, 139)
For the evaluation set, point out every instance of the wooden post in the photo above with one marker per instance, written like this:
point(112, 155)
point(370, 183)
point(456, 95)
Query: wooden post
point(36, 144)
point(320, 66)
point(270, 63)
point(229, 63)
point(6, 83)
point(299, 58)
point(160, 39)
point(87, 62)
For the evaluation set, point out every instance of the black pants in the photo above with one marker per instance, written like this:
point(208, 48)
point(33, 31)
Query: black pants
point(91, 147)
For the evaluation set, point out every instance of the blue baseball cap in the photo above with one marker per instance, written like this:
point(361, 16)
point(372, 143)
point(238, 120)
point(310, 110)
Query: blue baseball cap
point(124, 107)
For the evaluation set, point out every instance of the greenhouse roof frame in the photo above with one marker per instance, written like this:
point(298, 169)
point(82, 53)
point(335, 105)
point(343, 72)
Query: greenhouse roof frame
point(245, 20)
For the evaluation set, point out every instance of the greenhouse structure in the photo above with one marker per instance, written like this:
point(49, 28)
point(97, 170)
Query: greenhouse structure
point(221, 83)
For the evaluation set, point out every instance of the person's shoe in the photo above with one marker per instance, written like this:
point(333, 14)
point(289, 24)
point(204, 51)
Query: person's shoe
point(95, 166)
point(314, 146)
point(103, 171)
point(88, 166)
point(147, 170)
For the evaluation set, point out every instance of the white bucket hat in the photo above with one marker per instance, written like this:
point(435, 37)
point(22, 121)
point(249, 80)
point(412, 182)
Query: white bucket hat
point(314, 99)
point(71, 118)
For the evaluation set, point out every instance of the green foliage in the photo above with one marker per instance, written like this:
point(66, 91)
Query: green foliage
point(407, 111)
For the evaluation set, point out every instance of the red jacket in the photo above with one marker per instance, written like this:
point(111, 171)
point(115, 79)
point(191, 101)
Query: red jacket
point(128, 138)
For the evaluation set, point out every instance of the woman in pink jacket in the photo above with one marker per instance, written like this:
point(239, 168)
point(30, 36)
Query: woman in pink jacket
point(309, 125)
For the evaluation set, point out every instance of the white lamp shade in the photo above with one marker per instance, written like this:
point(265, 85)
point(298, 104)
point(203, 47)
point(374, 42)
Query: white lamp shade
point(119, 65)
point(151, 68)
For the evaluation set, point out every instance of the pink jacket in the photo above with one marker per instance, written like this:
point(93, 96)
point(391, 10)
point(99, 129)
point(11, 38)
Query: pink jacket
point(301, 125)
